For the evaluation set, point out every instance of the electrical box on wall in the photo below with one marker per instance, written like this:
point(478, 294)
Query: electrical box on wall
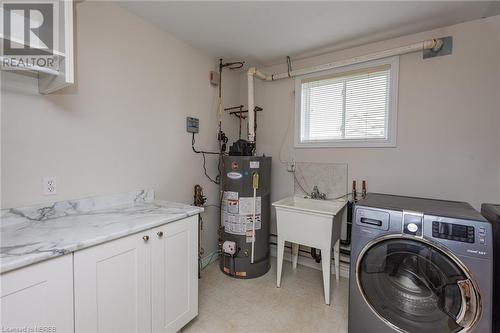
point(192, 125)
point(214, 78)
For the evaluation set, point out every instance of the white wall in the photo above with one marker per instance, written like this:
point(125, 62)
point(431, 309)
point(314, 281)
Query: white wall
point(122, 127)
point(448, 121)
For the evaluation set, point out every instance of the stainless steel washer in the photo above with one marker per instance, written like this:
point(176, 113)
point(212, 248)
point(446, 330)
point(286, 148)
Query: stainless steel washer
point(419, 265)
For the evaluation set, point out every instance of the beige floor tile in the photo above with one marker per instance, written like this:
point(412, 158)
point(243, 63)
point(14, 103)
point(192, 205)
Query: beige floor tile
point(256, 305)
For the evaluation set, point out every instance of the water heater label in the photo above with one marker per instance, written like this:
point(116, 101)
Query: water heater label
point(230, 195)
point(238, 224)
point(237, 213)
point(254, 164)
point(246, 205)
point(234, 175)
point(233, 206)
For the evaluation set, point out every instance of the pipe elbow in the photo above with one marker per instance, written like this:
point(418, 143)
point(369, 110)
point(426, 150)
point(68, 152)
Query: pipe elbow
point(251, 71)
point(438, 45)
point(254, 72)
point(434, 44)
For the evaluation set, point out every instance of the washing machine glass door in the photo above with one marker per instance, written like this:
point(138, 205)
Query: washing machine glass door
point(415, 287)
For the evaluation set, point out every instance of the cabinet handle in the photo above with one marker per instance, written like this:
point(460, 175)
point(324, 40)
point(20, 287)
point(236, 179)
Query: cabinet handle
point(145, 237)
point(160, 233)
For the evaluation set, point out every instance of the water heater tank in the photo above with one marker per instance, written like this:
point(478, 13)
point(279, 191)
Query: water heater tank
point(238, 207)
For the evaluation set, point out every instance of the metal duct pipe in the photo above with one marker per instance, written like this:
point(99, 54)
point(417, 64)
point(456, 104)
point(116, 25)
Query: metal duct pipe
point(434, 44)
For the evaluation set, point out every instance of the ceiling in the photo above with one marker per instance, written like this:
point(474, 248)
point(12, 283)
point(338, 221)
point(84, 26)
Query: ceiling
point(265, 32)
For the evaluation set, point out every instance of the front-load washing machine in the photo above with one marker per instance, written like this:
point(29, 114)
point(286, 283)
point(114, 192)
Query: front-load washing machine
point(419, 265)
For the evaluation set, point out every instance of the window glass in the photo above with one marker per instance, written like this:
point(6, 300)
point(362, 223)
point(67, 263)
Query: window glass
point(353, 106)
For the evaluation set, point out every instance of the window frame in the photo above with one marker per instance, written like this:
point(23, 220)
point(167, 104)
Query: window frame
point(391, 121)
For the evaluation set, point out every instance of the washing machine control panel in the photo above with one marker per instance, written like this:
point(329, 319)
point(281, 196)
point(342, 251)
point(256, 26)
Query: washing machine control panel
point(452, 231)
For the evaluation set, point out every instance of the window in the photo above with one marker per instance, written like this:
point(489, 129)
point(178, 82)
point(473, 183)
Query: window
point(352, 106)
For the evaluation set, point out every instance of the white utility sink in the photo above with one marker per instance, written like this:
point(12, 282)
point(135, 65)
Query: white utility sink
point(312, 223)
point(327, 207)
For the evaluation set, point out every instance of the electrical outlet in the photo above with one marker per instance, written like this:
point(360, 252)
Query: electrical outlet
point(290, 166)
point(49, 185)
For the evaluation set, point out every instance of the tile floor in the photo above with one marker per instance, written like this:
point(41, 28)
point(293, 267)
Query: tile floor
point(256, 305)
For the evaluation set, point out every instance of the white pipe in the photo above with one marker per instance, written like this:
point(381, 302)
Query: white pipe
point(420, 46)
point(253, 222)
point(251, 106)
point(434, 44)
point(259, 74)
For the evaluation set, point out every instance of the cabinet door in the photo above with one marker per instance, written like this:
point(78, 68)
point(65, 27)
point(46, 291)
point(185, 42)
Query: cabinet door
point(40, 295)
point(175, 275)
point(112, 286)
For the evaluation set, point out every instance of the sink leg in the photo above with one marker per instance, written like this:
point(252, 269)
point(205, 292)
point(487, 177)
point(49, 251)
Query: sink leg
point(336, 257)
point(326, 264)
point(281, 250)
point(295, 254)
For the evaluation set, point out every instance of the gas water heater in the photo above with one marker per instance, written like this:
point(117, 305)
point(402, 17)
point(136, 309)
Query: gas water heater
point(245, 214)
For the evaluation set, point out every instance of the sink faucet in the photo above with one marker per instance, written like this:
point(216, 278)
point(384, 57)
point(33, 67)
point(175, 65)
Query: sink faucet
point(316, 194)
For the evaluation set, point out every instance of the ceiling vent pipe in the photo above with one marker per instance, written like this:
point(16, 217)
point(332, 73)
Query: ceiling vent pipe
point(432, 44)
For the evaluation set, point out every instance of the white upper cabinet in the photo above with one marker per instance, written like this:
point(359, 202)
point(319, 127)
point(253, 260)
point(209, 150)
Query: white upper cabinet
point(48, 83)
point(38, 39)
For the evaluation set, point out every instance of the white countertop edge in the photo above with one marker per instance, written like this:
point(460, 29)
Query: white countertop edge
point(31, 259)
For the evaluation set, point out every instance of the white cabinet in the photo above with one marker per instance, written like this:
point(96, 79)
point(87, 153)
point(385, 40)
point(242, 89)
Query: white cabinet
point(64, 54)
point(174, 275)
point(52, 60)
point(113, 286)
point(146, 282)
point(40, 295)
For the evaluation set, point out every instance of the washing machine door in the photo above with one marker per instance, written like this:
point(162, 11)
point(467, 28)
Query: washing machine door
point(414, 286)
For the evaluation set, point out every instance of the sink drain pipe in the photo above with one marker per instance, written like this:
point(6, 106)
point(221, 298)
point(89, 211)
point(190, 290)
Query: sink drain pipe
point(316, 256)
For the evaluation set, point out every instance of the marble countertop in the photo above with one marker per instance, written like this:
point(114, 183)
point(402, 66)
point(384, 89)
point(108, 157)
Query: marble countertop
point(33, 234)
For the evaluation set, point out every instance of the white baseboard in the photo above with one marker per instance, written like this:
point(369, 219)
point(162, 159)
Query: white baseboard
point(310, 262)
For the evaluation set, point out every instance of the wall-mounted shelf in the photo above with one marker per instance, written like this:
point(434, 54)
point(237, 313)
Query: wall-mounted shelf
point(241, 114)
point(23, 43)
point(62, 75)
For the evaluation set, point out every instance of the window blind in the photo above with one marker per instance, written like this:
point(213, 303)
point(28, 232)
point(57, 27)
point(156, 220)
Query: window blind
point(351, 106)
